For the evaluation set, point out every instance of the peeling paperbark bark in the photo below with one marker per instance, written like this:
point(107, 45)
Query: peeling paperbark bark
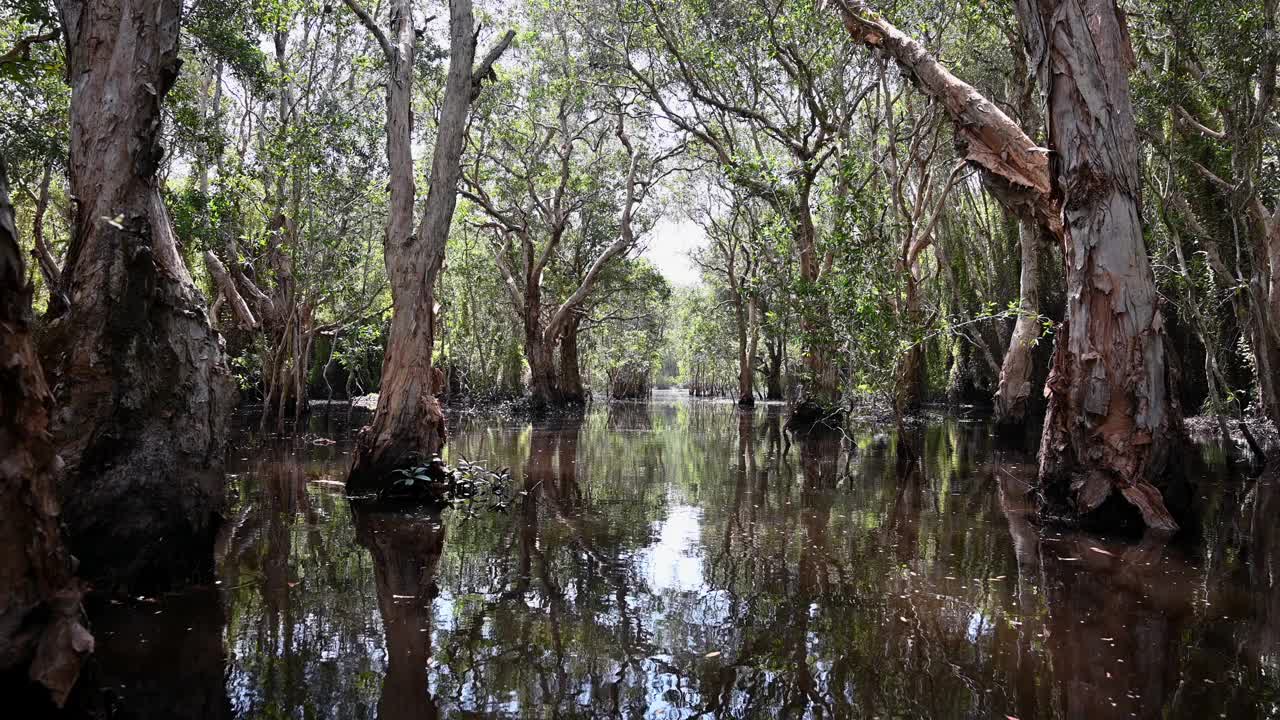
point(143, 388)
point(1113, 417)
point(41, 630)
point(1013, 167)
point(408, 423)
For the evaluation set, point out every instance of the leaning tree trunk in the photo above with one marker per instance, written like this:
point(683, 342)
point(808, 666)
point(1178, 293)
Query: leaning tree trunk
point(1113, 416)
point(41, 635)
point(408, 423)
point(143, 388)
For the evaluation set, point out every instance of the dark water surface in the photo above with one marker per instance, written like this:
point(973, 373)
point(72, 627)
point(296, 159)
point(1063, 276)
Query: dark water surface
point(670, 560)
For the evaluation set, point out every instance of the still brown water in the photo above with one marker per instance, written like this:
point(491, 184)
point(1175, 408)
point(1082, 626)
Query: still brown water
point(682, 559)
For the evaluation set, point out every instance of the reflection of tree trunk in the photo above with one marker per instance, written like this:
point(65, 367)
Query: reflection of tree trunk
point(143, 386)
point(1113, 642)
point(1019, 510)
point(1263, 559)
point(40, 630)
point(406, 553)
point(904, 518)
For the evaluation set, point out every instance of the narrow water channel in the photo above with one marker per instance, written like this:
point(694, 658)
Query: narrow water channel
point(682, 559)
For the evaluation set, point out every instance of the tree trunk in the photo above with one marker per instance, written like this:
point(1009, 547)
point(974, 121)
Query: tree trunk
point(753, 347)
point(41, 635)
point(142, 384)
point(571, 391)
point(745, 357)
point(773, 378)
point(408, 423)
point(1113, 417)
point(819, 391)
point(1014, 389)
point(910, 373)
point(544, 384)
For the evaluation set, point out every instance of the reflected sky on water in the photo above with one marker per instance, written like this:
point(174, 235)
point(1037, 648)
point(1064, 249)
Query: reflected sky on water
point(683, 559)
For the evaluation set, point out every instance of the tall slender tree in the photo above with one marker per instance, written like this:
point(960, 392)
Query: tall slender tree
point(408, 422)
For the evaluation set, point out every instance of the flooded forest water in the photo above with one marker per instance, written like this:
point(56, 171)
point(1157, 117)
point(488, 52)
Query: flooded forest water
point(682, 559)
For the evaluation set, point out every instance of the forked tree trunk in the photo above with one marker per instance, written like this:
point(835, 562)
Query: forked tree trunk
point(1113, 416)
point(1014, 390)
point(143, 388)
point(408, 423)
point(41, 635)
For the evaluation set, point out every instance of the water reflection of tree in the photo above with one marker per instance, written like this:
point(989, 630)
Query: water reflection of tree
point(406, 550)
point(302, 630)
point(845, 577)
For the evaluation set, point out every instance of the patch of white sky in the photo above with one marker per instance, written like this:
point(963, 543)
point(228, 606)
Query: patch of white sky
point(671, 241)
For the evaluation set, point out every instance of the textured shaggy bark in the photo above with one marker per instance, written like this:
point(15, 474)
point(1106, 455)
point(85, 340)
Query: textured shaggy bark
point(1113, 417)
point(571, 390)
point(143, 390)
point(1013, 168)
point(408, 423)
point(41, 635)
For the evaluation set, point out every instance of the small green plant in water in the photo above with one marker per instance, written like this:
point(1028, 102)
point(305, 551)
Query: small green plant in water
point(466, 482)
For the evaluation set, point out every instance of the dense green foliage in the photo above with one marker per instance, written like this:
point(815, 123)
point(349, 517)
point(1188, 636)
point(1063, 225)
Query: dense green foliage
point(812, 166)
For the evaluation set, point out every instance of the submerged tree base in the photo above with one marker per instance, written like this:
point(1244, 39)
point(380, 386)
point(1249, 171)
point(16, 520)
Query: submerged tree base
point(1092, 502)
point(808, 414)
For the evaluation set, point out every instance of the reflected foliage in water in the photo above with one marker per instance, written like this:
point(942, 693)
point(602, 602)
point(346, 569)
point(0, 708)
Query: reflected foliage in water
point(687, 559)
